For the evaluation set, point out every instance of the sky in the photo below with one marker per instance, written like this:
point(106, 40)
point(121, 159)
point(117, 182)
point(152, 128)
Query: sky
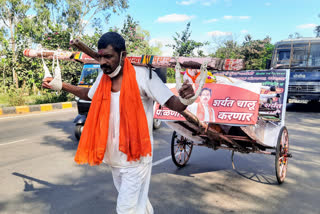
point(216, 20)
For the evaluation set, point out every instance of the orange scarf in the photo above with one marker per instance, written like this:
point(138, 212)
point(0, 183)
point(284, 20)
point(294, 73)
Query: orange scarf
point(193, 77)
point(134, 139)
point(201, 112)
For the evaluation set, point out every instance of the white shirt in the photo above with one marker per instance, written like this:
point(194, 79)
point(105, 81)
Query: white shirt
point(150, 90)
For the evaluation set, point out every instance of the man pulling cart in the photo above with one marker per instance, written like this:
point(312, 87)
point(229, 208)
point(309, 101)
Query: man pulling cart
point(127, 144)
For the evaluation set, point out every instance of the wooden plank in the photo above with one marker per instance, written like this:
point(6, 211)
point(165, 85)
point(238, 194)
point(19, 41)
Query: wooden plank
point(88, 55)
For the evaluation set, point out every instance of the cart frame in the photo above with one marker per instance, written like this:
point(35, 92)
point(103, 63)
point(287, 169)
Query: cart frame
point(216, 137)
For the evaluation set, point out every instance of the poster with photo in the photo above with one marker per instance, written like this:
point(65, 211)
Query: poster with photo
point(235, 104)
point(218, 103)
point(277, 78)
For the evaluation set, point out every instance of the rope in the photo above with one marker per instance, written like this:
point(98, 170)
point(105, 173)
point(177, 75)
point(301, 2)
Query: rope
point(45, 68)
point(200, 80)
point(56, 83)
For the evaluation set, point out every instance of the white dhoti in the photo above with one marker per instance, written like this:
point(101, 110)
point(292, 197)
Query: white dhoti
point(132, 184)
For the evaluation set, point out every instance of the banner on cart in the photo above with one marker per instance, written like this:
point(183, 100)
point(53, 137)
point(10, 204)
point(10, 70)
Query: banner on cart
point(218, 103)
point(279, 78)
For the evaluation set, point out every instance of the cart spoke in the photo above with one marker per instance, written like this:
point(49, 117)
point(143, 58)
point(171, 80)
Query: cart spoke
point(177, 150)
point(180, 157)
point(181, 149)
point(282, 171)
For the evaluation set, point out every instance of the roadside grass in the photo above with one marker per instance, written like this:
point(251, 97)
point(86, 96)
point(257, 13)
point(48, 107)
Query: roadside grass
point(19, 99)
point(4, 100)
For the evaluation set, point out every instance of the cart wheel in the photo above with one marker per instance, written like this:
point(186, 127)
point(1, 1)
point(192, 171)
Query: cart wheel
point(282, 150)
point(181, 149)
point(78, 131)
point(156, 123)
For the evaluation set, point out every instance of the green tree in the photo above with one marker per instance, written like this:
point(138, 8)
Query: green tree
point(184, 46)
point(137, 39)
point(296, 35)
point(256, 52)
point(228, 50)
point(13, 12)
point(78, 14)
point(51, 26)
point(317, 31)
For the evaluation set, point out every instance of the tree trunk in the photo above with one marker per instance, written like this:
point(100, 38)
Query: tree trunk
point(4, 78)
point(13, 48)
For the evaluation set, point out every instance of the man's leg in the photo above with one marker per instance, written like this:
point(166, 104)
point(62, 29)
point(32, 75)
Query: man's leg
point(133, 191)
point(116, 175)
point(144, 205)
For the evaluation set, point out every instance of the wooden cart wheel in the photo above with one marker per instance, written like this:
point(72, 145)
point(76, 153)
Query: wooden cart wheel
point(181, 149)
point(281, 159)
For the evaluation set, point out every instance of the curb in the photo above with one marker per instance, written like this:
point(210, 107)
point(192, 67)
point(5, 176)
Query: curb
point(37, 108)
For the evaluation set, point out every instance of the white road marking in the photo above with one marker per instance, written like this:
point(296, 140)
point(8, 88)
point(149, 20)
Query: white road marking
point(42, 113)
point(13, 142)
point(153, 164)
point(58, 134)
point(161, 161)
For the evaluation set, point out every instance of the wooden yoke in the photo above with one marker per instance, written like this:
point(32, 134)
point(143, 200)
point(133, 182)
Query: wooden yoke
point(165, 62)
point(88, 55)
point(188, 62)
point(84, 48)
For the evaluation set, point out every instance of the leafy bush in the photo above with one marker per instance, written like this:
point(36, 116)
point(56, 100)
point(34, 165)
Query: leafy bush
point(53, 97)
point(3, 89)
point(17, 96)
point(4, 100)
point(171, 78)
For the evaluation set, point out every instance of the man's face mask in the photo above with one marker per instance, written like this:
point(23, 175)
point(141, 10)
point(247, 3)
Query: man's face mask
point(117, 70)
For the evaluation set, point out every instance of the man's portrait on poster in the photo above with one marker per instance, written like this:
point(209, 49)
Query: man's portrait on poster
point(202, 108)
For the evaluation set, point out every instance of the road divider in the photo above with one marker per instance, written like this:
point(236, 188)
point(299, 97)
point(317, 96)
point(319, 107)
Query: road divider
point(37, 108)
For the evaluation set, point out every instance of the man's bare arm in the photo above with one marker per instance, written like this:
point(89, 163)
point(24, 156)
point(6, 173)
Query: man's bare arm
point(80, 92)
point(174, 104)
point(186, 92)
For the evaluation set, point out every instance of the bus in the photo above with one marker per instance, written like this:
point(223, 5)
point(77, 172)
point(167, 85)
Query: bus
point(302, 57)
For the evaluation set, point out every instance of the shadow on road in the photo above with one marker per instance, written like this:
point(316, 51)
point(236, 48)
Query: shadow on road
point(255, 167)
point(85, 194)
point(219, 189)
point(67, 130)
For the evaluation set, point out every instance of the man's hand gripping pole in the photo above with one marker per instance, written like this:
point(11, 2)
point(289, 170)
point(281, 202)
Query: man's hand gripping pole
point(200, 80)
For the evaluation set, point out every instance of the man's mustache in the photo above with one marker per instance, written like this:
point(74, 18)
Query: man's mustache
point(104, 66)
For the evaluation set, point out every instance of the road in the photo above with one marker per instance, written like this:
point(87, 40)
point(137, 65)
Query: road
point(38, 174)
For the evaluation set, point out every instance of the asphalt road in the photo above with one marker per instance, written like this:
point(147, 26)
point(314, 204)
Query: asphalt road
point(38, 174)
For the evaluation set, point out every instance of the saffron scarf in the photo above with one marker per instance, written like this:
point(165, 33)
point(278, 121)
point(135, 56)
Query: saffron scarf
point(201, 112)
point(193, 78)
point(134, 139)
